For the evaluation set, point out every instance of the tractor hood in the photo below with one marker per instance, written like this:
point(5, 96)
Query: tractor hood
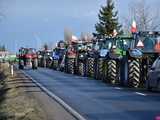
point(55, 56)
point(116, 53)
point(136, 53)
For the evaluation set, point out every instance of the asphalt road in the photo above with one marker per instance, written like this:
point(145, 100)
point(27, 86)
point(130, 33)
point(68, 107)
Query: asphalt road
point(97, 101)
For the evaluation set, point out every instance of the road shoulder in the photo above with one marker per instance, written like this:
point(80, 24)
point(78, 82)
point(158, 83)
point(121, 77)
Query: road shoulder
point(22, 100)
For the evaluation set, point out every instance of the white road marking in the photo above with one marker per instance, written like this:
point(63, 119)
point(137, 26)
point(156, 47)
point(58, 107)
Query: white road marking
point(118, 88)
point(141, 94)
point(59, 100)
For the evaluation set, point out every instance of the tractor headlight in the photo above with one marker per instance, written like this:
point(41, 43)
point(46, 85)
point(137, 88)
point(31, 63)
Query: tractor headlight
point(81, 55)
point(103, 52)
point(136, 53)
point(39, 56)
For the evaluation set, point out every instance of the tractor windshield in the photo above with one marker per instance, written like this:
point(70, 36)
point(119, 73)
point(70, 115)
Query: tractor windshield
point(122, 43)
point(30, 51)
point(22, 51)
point(151, 42)
point(90, 46)
point(81, 46)
point(106, 44)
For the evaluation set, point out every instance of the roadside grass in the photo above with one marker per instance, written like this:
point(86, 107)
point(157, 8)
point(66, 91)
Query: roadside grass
point(15, 104)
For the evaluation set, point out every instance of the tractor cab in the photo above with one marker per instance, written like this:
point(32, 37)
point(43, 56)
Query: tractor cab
point(105, 46)
point(119, 47)
point(150, 41)
point(82, 50)
point(93, 49)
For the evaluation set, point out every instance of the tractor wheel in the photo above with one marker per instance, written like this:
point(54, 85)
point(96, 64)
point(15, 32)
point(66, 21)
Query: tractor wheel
point(21, 67)
point(105, 71)
point(91, 67)
point(44, 62)
point(112, 71)
point(100, 69)
point(34, 64)
point(134, 73)
point(71, 66)
point(55, 64)
point(21, 64)
point(81, 69)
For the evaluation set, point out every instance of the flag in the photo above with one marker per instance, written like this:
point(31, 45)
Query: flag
point(134, 27)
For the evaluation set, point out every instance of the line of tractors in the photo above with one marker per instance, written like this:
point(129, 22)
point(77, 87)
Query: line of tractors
point(123, 60)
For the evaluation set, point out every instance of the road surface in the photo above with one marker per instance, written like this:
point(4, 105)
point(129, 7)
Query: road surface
point(95, 100)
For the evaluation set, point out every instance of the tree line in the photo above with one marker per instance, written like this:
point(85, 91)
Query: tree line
point(2, 48)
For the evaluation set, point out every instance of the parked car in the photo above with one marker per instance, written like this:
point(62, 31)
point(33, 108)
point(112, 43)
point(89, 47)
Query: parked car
point(154, 76)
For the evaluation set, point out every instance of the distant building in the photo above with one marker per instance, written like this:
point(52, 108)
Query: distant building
point(3, 54)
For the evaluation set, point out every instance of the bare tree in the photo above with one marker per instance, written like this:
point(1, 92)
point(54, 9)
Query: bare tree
point(146, 17)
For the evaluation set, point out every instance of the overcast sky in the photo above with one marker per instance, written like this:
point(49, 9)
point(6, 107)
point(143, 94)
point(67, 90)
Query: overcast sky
point(31, 23)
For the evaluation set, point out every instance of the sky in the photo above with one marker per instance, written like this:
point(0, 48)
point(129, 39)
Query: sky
point(31, 23)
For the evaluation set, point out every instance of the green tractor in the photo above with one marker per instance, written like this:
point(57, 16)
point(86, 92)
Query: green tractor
point(131, 58)
point(118, 60)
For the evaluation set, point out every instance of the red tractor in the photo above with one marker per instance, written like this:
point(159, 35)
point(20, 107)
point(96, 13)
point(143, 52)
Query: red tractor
point(28, 58)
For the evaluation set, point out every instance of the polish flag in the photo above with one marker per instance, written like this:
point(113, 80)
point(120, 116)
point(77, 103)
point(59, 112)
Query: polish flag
point(134, 27)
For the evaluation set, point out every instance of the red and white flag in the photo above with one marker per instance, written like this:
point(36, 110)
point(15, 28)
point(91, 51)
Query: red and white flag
point(134, 27)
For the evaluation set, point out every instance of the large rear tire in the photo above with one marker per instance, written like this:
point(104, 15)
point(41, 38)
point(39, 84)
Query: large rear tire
point(91, 67)
point(44, 63)
point(21, 64)
point(134, 73)
point(71, 66)
point(112, 71)
point(55, 64)
point(21, 67)
point(100, 74)
point(35, 64)
point(81, 69)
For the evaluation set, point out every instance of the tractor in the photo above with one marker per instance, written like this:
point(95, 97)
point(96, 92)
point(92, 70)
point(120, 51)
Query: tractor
point(48, 58)
point(81, 58)
point(40, 58)
point(70, 58)
point(59, 56)
point(131, 58)
point(150, 50)
point(102, 61)
point(28, 58)
point(117, 64)
point(92, 56)
point(45, 58)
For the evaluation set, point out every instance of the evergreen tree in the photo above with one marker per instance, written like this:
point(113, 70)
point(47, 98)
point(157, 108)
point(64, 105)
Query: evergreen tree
point(108, 20)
